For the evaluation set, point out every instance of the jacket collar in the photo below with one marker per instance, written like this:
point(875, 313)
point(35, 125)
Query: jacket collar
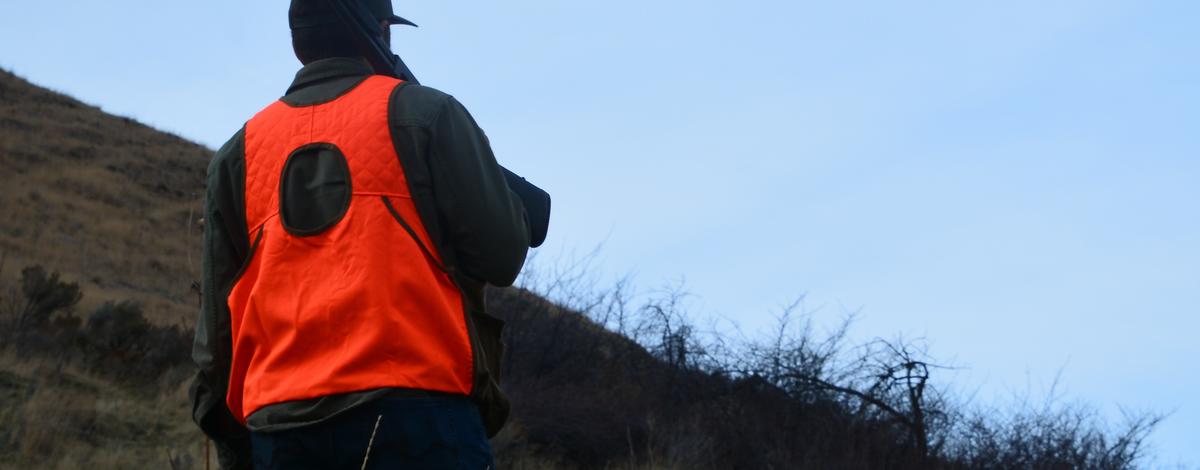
point(328, 70)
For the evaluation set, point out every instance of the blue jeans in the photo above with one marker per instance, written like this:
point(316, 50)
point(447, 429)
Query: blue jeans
point(414, 433)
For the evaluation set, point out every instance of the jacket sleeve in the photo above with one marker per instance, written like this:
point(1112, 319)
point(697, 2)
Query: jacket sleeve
point(225, 250)
point(482, 218)
point(465, 202)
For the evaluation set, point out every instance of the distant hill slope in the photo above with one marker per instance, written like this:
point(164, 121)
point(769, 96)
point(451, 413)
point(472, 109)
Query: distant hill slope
point(104, 200)
point(115, 205)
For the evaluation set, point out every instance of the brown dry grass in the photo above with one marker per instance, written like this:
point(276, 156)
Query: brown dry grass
point(58, 417)
point(101, 199)
point(114, 205)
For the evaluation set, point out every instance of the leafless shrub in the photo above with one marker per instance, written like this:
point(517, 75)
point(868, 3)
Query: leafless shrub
point(121, 343)
point(1050, 433)
point(682, 396)
point(117, 339)
point(45, 294)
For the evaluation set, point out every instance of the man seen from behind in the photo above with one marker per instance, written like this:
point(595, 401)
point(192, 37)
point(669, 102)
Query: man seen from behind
point(351, 228)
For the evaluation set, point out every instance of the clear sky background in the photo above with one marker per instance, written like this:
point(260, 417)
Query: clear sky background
point(1016, 181)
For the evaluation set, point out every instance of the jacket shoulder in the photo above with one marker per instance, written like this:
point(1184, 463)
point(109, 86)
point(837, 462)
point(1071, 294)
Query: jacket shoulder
point(230, 154)
point(417, 105)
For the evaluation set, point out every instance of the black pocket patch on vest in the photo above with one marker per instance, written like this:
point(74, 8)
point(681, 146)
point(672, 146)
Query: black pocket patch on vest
point(314, 191)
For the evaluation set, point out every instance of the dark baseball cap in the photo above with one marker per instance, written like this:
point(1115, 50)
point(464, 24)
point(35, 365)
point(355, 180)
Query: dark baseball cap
point(310, 13)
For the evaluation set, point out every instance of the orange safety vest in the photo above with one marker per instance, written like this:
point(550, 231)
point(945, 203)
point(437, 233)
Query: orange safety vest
point(358, 306)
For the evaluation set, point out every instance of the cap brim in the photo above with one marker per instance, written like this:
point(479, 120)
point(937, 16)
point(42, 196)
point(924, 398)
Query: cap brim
point(394, 20)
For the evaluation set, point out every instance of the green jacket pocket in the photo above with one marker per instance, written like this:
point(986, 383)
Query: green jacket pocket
point(493, 406)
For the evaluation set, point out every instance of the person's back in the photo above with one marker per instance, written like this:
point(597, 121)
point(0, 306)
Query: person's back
point(351, 227)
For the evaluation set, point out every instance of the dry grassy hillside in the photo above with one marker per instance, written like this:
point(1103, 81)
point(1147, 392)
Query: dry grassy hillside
point(104, 200)
point(112, 205)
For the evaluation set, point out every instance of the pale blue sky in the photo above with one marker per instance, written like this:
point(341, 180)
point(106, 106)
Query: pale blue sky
point(1016, 181)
